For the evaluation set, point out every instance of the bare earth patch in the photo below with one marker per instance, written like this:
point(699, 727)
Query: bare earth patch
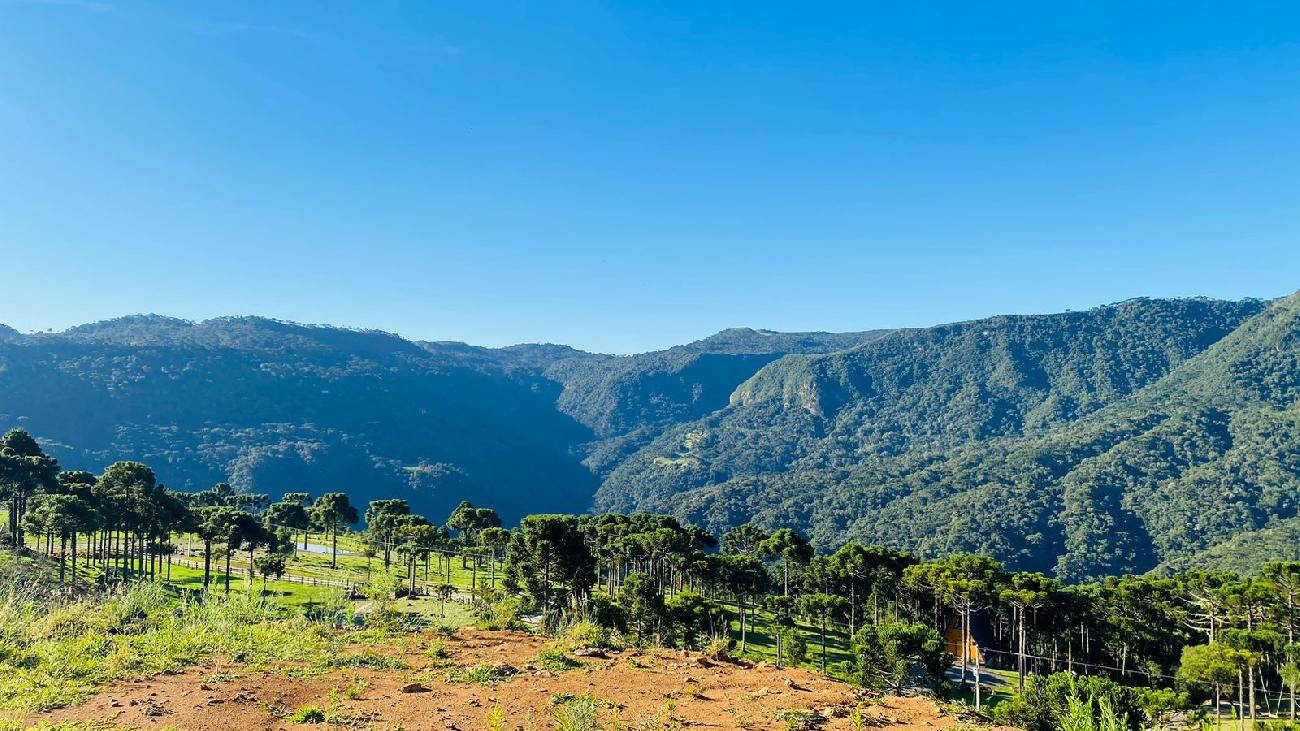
point(664, 686)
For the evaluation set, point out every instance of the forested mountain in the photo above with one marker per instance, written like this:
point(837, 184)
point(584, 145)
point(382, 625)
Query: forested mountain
point(273, 406)
point(628, 401)
point(1244, 553)
point(1084, 443)
point(1119, 439)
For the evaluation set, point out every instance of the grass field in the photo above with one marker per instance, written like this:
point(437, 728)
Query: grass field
point(352, 569)
point(761, 641)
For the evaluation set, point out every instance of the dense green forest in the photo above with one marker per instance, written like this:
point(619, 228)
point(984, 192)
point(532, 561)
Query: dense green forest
point(1142, 647)
point(1100, 449)
point(1122, 439)
point(256, 402)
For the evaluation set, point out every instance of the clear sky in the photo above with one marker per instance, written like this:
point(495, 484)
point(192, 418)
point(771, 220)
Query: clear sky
point(626, 176)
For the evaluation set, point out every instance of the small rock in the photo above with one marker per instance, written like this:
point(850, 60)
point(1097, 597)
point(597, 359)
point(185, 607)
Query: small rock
point(415, 688)
point(115, 703)
point(589, 652)
point(205, 686)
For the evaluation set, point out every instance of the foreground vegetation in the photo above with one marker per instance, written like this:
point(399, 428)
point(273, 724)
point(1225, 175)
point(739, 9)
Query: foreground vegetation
point(120, 598)
point(55, 654)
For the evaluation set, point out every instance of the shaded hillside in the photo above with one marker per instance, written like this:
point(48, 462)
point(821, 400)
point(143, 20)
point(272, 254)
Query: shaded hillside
point(979, 436)
point(272, 406)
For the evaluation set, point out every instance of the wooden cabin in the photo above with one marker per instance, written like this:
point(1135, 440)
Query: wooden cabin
point(952, 640)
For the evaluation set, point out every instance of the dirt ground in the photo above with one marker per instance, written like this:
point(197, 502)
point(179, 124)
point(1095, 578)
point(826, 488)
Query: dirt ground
point(655, 689)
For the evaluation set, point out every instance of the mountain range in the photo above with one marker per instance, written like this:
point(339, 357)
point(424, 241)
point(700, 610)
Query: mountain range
point(1144, 435)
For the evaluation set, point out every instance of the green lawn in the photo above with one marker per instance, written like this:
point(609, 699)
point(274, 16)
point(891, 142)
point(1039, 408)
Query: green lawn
point(761, 643)
point(285, 593)
point(355, 568)
point(999, 686)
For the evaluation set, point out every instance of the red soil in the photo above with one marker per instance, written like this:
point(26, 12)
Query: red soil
point(674, 687)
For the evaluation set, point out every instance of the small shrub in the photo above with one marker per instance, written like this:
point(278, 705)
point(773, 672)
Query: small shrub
point(479, 675)
point(555, 660)
point(366, 659)
point(798, 719)
point(437, 651)
point(794, 647)
point(588, 634)
point(355, 689)
point(503, 614)
point(308, 714)
point(1049, 701)
point(580, 713)
point(719, 648)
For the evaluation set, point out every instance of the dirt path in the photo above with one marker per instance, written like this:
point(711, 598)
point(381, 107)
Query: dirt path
point(658, 688)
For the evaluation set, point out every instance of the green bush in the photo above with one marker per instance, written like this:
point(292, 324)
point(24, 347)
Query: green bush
point(893, 654)
point(366, 659)
point(308, 714)
point(603, 611)
point(479, 675)
point(577, 713)
point(503, 614)
point(588, 634)
point(1062, 700)
point(556, 660)
point(794, 646)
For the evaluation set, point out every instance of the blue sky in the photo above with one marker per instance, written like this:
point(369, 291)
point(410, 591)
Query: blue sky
point(626, 176)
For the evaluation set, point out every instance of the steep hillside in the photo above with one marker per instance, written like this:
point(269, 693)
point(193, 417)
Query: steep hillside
point(272, 406)
point(629, 401)
point(1244, 553)
point(989, 436)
